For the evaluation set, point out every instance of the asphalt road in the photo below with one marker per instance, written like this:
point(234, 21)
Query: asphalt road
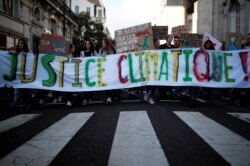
point(127, 133)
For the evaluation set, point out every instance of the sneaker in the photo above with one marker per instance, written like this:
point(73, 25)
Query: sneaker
point(54, 101)
point(69, 104)
point(145, 97)
point(84, 102)
point(109, 100)
point(50, 94)
point(90, 101)
point(41, 101)
point(59, 99)
point(151, 101)
point(33, 95)
point(237, 103)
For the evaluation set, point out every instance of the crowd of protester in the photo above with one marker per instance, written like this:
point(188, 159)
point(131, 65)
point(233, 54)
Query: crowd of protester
point(25, 97)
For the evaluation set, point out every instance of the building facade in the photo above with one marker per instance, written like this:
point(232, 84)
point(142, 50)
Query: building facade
point(218, 17)
point(171, 14)
point(30, 18)
point(95, 8)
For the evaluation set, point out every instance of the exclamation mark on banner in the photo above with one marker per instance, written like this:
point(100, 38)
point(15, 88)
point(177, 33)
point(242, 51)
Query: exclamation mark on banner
point(244, 57)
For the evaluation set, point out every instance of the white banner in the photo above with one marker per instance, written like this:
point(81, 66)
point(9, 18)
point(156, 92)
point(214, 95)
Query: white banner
point(175, 67)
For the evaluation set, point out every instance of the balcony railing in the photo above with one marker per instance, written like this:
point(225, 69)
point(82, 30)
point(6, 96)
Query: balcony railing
point(61, 5)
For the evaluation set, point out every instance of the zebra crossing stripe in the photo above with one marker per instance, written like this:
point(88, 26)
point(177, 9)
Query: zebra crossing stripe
point(16, 121)
point(242, 116)
point(231, 146)
point(135, 142)
point(42, 148)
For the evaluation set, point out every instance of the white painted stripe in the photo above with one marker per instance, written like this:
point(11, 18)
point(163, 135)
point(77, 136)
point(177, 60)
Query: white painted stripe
point(242, 116)
point(16, 121)
point(197, 99)
point(201, 100)
point(42, 148)
point(231, 146)
point(135, 142)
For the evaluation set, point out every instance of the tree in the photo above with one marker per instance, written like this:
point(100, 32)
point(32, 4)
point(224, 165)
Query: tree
point(88, 28)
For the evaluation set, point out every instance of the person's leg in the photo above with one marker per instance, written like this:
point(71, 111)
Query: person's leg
point(248, 97)
point(68, 98)
point(193, 95)
point(109, 96)
point(151, 94)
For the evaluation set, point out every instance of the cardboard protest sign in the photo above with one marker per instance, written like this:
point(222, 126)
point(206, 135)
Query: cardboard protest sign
point(160, 32)
point(217, 44)
point(191, 40)
point(179, 29)
point(52, 44)
point(233, 41)
point(135, 38)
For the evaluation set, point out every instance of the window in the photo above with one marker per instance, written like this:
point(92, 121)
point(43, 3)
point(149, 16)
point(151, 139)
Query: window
point(99, 13)
point(10, 42)
point(37, 14)
point(76, 9)
point(1, 5)
point(190, 25)
point(6, 7)
point(238, 20)
point(36, 41)
point(2, 42)
point(53, 26)
point(88, 10)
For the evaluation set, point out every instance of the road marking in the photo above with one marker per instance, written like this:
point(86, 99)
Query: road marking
point(242, 116)
point(16, 121)
point(231, 146)
point(42, 148)
point(174, 101)
point(135, 142)
point(197, 99)
point(201, 100)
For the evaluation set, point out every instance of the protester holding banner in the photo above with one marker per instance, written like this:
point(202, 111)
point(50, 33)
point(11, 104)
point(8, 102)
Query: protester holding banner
point(21, 96)
point(177, 42)
point(108, 49)
point(164, 90)
point(177, 89)
point(208, 45)
point(205, 92)
point(148, 95)
point(69, 95)
point(168, 43)
point(247, 46)
point(88, 50)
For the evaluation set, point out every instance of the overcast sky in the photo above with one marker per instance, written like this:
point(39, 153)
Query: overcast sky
point(126, 13)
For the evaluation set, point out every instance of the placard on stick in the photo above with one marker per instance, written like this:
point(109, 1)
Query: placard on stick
point(179, 29)
point(135, 38)
point(52, 44)
point(233, 41)
point(160, 32)
point(191, 40)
